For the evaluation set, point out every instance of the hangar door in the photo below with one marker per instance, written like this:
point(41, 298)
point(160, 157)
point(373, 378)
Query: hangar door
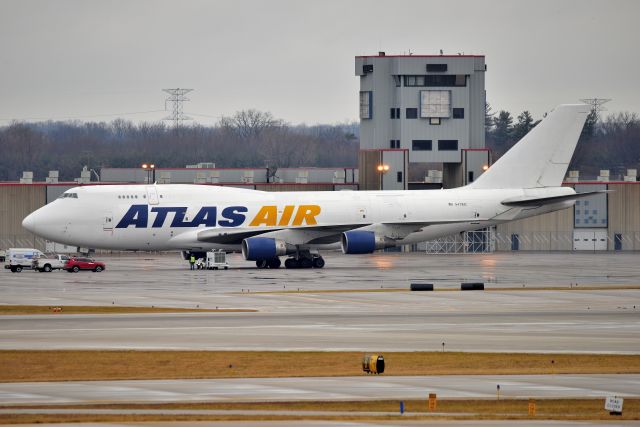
point(589, 240)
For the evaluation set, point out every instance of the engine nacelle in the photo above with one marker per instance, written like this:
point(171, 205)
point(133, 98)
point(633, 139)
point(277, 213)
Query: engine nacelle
point(363, 242)
point(259, 248)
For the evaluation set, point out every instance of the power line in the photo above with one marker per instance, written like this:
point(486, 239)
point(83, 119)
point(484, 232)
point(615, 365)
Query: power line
point(596, 104)
point(177, 97)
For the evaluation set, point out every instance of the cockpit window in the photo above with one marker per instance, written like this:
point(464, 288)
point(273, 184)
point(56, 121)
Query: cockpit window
point(68, 195)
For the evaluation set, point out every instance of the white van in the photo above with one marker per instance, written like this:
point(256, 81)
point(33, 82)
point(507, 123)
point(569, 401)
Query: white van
point(21, 258)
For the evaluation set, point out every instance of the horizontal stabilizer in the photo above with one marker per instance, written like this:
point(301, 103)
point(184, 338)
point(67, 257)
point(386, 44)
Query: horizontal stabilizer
point(541, 201)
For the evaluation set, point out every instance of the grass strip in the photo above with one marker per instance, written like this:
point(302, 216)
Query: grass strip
point(481, 409)
point(109, 309)
point(550, 406)
point(81, 365)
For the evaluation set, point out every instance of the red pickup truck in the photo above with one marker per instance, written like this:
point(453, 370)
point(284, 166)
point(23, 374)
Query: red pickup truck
point(75, 264)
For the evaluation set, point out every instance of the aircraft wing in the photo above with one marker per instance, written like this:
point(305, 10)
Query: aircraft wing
point(312, 234)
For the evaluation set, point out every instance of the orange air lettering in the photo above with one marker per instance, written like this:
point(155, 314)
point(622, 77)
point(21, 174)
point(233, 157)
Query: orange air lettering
point(286, 215)
point(307, 214)
point(267, 215)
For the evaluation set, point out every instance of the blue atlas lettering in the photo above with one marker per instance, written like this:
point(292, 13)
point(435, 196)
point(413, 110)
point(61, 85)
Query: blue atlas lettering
point(161, 215)
point(205, 216)
point(137, 215)
point(234, 216)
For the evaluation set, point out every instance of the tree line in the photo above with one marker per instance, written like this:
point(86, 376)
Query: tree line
point(249, 138)
point(253, 138)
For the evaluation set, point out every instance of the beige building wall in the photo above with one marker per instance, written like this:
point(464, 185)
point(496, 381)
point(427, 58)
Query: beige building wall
point(624, 215)
point(16, 202)
point(554, 231)
point(369, 178)
point(548, 232)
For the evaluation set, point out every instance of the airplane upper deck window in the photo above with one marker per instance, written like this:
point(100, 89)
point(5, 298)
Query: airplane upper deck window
point(68, 195)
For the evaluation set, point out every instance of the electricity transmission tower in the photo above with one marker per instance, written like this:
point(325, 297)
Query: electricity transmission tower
point(596, 104)
point(176, 97)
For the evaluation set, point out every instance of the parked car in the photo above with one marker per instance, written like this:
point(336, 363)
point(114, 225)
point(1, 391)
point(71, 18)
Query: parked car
point(21, 258)
point(49, 262)
point(75, 264)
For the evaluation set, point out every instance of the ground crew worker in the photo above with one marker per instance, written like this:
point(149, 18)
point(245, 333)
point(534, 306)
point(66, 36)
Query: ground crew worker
point(192, 261)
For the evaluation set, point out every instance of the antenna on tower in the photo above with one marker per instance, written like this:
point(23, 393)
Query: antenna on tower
point(596, 104)
point(177, 97)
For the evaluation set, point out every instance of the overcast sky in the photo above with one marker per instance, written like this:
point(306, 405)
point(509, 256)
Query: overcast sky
point(294, 58)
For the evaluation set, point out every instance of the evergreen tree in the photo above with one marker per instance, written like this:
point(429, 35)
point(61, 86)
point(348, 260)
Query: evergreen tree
point(502, 127)
point(589, 128)
point(524, 124)
point(488, 118)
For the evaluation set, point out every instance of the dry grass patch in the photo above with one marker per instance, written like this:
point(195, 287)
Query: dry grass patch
point(556, 409)
point(80, 365)
point(109, 309)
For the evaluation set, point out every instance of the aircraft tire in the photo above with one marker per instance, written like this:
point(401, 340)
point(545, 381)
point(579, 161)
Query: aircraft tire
point(262, 263)
point(274, 263)
point(291, 263)
point(318, 262)
point(306, 263)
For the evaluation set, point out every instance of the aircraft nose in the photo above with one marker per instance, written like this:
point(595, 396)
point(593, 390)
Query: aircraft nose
point(29, 222)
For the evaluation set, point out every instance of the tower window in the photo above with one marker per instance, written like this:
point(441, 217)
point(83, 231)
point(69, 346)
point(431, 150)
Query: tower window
point(412, 113)
point(448, 145)
point(421, 145)
point(436, 68)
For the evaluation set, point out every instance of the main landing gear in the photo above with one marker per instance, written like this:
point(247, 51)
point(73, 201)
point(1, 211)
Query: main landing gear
point(301, 260)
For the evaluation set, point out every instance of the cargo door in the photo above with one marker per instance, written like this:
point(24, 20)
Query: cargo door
point(600, 240)
point(584, 240)
point(152, 195)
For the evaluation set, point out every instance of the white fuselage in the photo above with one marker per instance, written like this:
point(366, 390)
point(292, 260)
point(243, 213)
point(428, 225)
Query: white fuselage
point(172, 216)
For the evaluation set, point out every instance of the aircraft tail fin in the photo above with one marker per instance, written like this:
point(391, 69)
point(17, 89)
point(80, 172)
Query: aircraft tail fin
point(541, 157)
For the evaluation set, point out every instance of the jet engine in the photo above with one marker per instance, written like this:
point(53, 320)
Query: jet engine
point(363, 242)
point(260, 248)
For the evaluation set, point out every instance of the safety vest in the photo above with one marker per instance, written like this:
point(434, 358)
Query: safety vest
point(192, 260)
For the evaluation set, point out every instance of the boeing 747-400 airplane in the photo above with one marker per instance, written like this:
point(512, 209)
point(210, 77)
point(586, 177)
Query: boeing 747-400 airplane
point(526, 181)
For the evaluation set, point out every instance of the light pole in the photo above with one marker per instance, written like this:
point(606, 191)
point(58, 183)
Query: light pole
point(382, 169)
point(151, 172)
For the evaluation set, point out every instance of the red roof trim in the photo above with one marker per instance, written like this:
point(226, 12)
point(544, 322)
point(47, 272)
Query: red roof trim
point(247, 169)
point(223, 184)
point(600, 182)
point(385, 149)
point(420, 56)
